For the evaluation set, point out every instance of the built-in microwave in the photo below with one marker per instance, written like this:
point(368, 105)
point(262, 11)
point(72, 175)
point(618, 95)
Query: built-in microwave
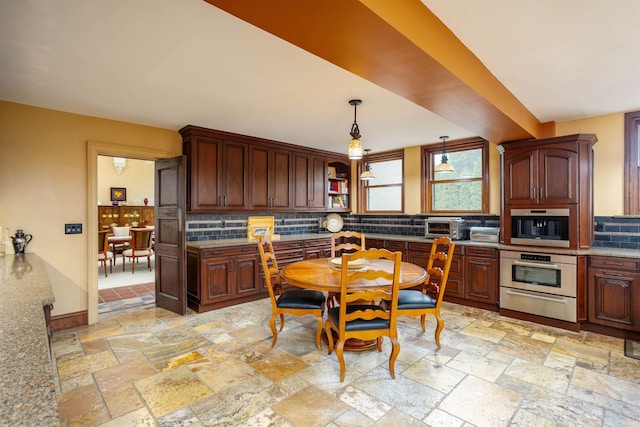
point(452, 227)
point(540, 227)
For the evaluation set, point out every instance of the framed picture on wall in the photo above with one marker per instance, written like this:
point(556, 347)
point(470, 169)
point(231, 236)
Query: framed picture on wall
point(118, 194)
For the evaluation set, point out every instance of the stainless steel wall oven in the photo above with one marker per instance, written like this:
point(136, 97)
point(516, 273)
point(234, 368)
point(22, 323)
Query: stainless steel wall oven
point(540, 284)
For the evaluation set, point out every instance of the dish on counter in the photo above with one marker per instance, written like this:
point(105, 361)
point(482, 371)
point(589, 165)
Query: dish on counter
point(356, 264)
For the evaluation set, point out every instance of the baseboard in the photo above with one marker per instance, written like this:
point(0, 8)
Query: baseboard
point(69, 320)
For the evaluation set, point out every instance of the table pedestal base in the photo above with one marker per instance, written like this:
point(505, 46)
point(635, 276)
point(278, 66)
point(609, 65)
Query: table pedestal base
point(352, 344)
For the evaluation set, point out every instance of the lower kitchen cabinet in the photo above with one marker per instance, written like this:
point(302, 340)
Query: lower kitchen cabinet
point(223, 276)
point(614, 292)
point(481, 275)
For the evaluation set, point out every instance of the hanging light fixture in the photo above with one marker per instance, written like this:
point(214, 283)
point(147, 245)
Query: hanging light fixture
point(355, 146)
point(444, 166)
point(367, 175)
point(119, 164)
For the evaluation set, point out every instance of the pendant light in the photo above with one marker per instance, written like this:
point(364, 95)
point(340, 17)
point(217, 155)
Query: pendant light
point(355, 146)
point(367, 175)
point(444, 166)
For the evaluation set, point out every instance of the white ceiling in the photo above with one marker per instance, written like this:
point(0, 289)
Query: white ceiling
point(169, 63)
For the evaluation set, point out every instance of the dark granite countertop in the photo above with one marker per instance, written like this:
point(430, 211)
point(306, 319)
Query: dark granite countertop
point(625, 253)
point(27, 389)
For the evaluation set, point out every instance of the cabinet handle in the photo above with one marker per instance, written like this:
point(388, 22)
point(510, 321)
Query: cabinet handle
point(225, 200)
point(611, 273)
point(616, 264)
point(541, 192)
point(179, 220)
point(533, 192)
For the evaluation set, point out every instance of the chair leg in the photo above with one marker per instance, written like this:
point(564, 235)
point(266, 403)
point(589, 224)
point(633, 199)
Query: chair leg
point(122, 262)
point(422, 322)
point(104, 266)
point(395, 351)
point(439, 328)
point(319, 333)
point(281, 321)
point(149, 262)
point(340, 354)
point(274, 332)
point(327, 330)
point(133, 264)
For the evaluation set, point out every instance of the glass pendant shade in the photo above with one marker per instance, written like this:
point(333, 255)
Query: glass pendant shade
point(355, 149)
point(444, 165)
point(367, 175)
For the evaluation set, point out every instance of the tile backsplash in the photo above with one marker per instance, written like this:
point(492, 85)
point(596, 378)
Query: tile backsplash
point(616, 232)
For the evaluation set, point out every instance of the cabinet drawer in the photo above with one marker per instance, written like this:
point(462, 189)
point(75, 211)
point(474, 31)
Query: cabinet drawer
point(614, 263)
point(285, 246)
point(229, 250)
point(393, 246)
point(317, 242)
point(472, 251)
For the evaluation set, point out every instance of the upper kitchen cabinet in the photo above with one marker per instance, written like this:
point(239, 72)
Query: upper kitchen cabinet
point(553, 171)
point(310, 177)
point(217, 171)
point(270, 175)
point(338, 185)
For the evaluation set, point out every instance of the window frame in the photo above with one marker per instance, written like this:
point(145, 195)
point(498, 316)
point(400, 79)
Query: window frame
point(632, 163)
point(427, 181)
point(362, 185)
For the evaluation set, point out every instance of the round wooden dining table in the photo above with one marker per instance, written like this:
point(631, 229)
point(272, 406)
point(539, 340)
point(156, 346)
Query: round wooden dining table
point(321, 275)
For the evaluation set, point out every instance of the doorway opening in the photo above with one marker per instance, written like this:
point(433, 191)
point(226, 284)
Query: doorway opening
point(125, 190)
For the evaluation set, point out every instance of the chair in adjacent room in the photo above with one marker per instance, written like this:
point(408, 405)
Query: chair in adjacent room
point(297, 302)
point(104, 254)
point(140, 248)
point(366, 321)
point(120, 239)
point(429, 299)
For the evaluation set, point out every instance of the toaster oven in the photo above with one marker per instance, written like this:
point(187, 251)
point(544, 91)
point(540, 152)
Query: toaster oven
point(452, 227)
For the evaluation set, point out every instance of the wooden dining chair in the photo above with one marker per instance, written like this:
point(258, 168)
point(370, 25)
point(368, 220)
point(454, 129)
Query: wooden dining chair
point(104, 254)
point(346, 242)
point(140, 248)
point(429, 299)
point(297, 302)
point(366, 321)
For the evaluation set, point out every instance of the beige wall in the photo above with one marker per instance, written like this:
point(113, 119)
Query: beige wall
point(137, 178)
point(608, 192)
point(43, 185)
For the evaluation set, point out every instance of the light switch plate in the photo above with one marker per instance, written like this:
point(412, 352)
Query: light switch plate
point(73, 229)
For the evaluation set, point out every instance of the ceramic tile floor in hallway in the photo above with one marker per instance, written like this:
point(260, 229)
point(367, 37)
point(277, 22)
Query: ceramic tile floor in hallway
point(152, 367)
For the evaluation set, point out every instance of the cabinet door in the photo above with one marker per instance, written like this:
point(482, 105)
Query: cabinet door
point(203, 158)
point(247, 274)
point(558, 175)
point(235, 166)
point(260, 197)
point(481, 279)
point(218, 280)
point(319, 183)
point(614, 299)
point(280, 181)
point(310, 177)
point(521, 178)
point(302, 185)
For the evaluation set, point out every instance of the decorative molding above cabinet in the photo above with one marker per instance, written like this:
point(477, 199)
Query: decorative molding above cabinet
point(232, 172)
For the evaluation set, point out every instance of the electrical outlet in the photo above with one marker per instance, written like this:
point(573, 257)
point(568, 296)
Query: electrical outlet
point(73, 229)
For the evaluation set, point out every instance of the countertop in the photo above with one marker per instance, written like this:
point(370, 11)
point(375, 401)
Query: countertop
point(625, 253)
point(27, 389)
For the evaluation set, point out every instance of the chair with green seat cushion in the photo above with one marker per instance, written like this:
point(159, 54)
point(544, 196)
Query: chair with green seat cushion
point(297, 302)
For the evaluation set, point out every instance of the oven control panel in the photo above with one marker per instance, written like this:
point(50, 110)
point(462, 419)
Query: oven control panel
point(535, 257)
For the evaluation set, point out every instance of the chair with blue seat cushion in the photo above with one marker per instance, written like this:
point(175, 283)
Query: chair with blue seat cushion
point(429, 299)
point(297, 302)
point(354, 318)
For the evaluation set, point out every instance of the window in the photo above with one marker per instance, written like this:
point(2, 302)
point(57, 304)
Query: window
point(384, 193)
point(632, 163)
point(464, 190)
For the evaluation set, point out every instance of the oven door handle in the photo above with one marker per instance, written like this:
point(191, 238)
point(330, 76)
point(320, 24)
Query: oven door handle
point(545, 298)
point(536, 265)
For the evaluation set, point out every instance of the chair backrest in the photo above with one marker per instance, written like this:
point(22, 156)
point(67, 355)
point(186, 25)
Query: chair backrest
point(270, 268)
point(438, 267)
point(369, 285)
point(120, 231)
point(103, 241)
point(346, 241)
point(140, 239)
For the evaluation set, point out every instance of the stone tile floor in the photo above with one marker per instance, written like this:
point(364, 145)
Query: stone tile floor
point(147, 366)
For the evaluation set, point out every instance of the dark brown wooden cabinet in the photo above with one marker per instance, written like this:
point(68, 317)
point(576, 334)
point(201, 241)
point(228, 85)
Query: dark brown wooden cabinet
point(217, 171)
point(271, 178)
point(320, 248)
point(310, 177)
point(550, 173)
point(125, 216)
point(614, 292)
point(481, 274)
